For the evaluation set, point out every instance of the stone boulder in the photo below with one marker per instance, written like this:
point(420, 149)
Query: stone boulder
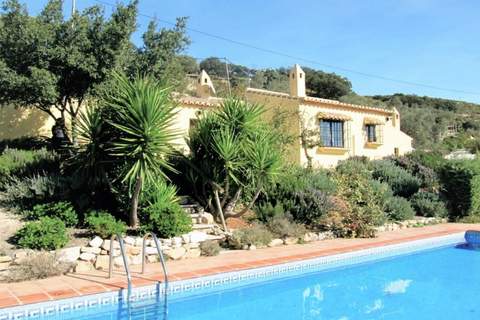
point(69, 255)
point(176, 254)
point(96, 242)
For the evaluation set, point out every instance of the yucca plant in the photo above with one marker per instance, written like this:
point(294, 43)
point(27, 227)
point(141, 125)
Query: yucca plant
point(231, 149)
point(143, 114)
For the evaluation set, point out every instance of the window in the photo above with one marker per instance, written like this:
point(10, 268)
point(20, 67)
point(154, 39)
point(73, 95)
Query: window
point(396, 152)
point(371, 131)
point(331, 133)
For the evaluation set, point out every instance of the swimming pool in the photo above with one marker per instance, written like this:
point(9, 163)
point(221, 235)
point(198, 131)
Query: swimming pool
point(426, 279)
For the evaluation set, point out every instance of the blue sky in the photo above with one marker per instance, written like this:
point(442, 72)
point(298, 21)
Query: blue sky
point(430, 42)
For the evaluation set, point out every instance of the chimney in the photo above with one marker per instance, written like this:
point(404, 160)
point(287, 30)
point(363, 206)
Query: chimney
point(297, 81)
point(205, 87)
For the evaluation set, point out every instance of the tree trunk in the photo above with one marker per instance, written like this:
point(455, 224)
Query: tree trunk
point(133, 217)
point(220, 211)
point(232, 203)
point(252, 202)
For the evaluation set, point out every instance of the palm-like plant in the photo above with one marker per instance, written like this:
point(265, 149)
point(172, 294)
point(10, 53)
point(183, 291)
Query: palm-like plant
point(143, 114)
point(231, 150)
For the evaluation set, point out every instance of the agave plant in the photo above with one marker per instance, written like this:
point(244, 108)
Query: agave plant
point(143, 114)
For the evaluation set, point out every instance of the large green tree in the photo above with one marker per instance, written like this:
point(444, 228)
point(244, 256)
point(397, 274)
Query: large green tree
point(326, 85)
point(53, 63)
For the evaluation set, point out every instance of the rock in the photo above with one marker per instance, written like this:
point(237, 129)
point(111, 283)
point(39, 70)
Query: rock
point(106, 245)
point(94, 250)
point(4, 266)
point(207, 218)
point(167, 242)
point(118, 262)
point(151, 250)
point(176, 254)
point(197, 236)
point(133, 251)
point(69, 255)
point(88, 257)
point(186, 238)
point(290, 240)
point(129, 240)
point(135, 259)
point(19, 255)
point(325, 235)
point(193, 245)
point(252, 247)
point(5, 259)
point(102, 263)
point(152, 259)
point(138, 242)
point(96, 242)
point(193, 253)
point(310, 236)
point(276, 243)
point(177, 241)
point(103, 252)
point(83, 266)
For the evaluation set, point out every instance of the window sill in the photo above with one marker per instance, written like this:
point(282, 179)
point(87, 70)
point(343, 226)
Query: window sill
point(332, 150)
point(373, 145)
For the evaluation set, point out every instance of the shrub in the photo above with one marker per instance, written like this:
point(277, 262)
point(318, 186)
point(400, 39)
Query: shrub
point(403, 183)
point(357, 209)
point(62, 210)
point(39, 265)
point(283, 227)
point(429, 159)
point(163, 214)
point(104, 224)
point(25, 143)
point(427, 176)
point(266, 211)
point(44, 234)
point(399, 209)
point(428, 204)
point(308, 206)
point(210, 248)
point(302, 193)
point(25, 162)
point(39, 188)
point(461, 181)
point(256, 235)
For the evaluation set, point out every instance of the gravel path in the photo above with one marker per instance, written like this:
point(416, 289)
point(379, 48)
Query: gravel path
point(9, 224)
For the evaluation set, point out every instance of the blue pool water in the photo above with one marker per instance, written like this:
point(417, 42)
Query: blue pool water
point(437, 284)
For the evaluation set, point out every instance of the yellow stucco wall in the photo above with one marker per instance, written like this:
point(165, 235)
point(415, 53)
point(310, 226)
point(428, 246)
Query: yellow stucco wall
point(22, 122)
point(289, 107)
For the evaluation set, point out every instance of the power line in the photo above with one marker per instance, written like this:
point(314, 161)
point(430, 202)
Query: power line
point(297, 58)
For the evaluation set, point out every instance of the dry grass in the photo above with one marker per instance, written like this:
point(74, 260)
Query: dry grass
point(39, 265)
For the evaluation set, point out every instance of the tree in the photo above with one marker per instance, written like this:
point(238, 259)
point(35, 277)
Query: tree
point(232, 151)
point(142, 111)
point(159, 52)
point(326, 85)
point(53, 64)
point(214, 67)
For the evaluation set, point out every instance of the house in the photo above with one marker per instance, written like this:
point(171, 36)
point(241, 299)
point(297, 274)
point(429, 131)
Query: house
point(340, 130)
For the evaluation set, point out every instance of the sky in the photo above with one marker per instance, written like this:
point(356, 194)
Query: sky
point(430, 46)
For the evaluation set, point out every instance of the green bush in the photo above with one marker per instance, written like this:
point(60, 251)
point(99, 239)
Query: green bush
point(15, 162)
point(399, 209)
point(62, 210)
point(429, 159)
point(403, 183)
point(210, 248)
point(283, 227)
point(44, 234)
point(39, 188)
point(358, 206)
point(428, 204)
point(163, 214)
point(428, 177)
point(304, 194)
point(25, 143)
point(461, 182)
point(104, 224)
point(256, 235)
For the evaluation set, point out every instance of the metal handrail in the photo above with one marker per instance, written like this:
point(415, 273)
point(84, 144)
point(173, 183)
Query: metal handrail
point(124, 257)
point(160, 255)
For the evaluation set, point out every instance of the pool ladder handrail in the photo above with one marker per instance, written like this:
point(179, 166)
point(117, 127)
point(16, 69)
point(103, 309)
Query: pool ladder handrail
point(124, 257)
point(160, 255)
